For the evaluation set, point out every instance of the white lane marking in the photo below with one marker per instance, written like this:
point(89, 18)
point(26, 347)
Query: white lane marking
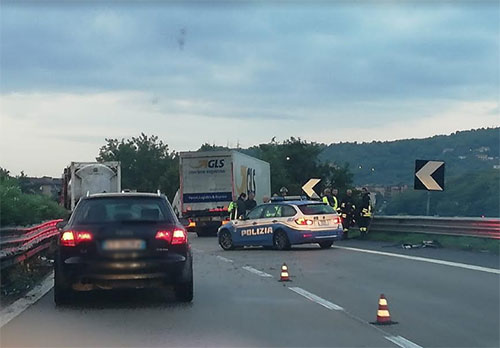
point(402, 342)
point(12, 311)
point(256, 271)
point(222, 258)
point(424, 259)
point(317, 299)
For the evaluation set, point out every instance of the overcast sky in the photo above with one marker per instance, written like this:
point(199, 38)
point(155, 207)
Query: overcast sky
point(74, 74)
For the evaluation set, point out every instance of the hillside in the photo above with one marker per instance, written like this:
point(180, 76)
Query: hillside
point(393, 162)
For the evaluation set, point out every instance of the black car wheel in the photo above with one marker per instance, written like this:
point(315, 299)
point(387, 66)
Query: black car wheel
point(281, 241)
point(325, 245)
point(184, 291)
point(63, 293)
point(225, 240)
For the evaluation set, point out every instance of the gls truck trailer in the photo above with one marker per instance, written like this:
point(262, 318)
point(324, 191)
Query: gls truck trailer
point(210, 180)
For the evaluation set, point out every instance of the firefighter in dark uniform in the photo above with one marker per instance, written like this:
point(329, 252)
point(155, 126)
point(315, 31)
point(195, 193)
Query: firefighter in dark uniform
point(347, 211)
point(365, 212)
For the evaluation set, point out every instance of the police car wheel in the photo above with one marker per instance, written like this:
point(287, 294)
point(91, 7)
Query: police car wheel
point(280, 240)
point(325, 245)
point(225, 240)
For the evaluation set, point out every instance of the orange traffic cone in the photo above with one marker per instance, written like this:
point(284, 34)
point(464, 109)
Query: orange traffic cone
point(284, 276)
point(383, 315)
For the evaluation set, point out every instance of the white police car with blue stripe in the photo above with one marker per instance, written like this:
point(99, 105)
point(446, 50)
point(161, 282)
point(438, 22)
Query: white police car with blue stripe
point(282, 224)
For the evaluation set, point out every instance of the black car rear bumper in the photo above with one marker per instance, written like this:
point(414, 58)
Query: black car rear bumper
point(84, 274)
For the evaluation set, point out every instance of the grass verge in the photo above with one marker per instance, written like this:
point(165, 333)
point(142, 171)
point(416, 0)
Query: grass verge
point(452, 242)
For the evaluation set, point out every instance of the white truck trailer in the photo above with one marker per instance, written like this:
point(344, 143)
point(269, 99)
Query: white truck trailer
point(92, 177)
point(210, 180)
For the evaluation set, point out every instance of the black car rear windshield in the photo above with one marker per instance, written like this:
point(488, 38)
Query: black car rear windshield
point(316, 209)
point(119, 209)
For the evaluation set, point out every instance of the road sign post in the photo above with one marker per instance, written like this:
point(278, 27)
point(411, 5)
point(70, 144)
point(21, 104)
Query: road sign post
point(428, 203)
point(429, 176)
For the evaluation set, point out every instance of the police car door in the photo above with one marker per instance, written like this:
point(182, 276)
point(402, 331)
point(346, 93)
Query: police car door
point(270, 217)
point(246, 232)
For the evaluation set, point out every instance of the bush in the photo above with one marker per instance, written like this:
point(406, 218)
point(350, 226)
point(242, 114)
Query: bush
point(20, 209)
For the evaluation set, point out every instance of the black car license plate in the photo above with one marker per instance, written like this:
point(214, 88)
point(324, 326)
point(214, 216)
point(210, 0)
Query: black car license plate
point(124, 244)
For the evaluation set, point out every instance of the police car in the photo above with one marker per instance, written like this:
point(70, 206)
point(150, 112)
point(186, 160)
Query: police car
point(280, 224)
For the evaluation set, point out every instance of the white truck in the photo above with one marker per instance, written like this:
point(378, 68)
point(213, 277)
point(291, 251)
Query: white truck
point(210, 180)
point(92, 177)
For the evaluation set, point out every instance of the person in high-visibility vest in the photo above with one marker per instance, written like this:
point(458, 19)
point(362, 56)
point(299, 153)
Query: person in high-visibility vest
point(365, 212)
point(335, 194)
point(232, 210)
point(329, 199)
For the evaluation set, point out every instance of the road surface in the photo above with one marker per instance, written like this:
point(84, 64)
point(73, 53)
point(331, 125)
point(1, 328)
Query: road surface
point(330, 302)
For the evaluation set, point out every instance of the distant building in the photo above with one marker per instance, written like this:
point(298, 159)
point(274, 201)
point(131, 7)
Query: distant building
point(47, 186)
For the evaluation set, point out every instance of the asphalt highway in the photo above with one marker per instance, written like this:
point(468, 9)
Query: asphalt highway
point(330, 302)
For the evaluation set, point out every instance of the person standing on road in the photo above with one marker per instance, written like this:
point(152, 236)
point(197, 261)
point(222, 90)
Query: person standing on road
point(237, 208)
point(250, 202)
point(266, 199)
point(335, 195)
point(365, 213)
point(241, 206)
point(347, 210)
point(329, 199)
point(283, 191)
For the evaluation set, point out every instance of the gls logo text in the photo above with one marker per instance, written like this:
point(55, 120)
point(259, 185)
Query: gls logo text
point(213, 163)
point(247, 180)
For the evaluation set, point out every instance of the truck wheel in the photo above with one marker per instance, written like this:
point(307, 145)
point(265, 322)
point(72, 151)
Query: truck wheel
point(325, 245)
point(225, 240)
point(281, 241)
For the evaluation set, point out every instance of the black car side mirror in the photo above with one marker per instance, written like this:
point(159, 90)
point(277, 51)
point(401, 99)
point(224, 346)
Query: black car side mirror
point(60, 225)
point(184, 222)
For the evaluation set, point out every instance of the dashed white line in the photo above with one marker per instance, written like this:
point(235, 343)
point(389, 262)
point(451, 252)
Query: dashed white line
point(317, 299)
point(222, 258)
point(12, 311)
point(424, 259)
point(398, 340)
point(256, 271)
point(402, 342)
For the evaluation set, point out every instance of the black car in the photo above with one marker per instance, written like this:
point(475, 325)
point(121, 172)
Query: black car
point(123, 240)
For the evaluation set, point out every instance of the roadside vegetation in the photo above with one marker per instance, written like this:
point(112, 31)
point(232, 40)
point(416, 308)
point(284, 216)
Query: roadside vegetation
point(448, 242)
point(21, 209)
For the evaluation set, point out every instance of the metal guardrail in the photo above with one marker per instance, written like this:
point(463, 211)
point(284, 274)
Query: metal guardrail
point(19, 243)
point(453, 226)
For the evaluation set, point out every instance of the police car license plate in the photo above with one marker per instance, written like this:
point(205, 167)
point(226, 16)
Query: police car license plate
point(124, 244)
point(323, 222)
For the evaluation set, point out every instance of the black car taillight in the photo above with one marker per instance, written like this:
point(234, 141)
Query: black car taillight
point(73, 238)
point(179, 237)
point(175, 237)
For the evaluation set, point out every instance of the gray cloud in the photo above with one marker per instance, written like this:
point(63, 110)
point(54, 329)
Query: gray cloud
point(258, 60)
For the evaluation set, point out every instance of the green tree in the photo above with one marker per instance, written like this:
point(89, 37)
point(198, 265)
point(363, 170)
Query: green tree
point(473, 194)
point(294, 161)
point(147, 164)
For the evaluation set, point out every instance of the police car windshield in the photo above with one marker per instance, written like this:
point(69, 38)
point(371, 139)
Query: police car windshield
point(316, 209)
